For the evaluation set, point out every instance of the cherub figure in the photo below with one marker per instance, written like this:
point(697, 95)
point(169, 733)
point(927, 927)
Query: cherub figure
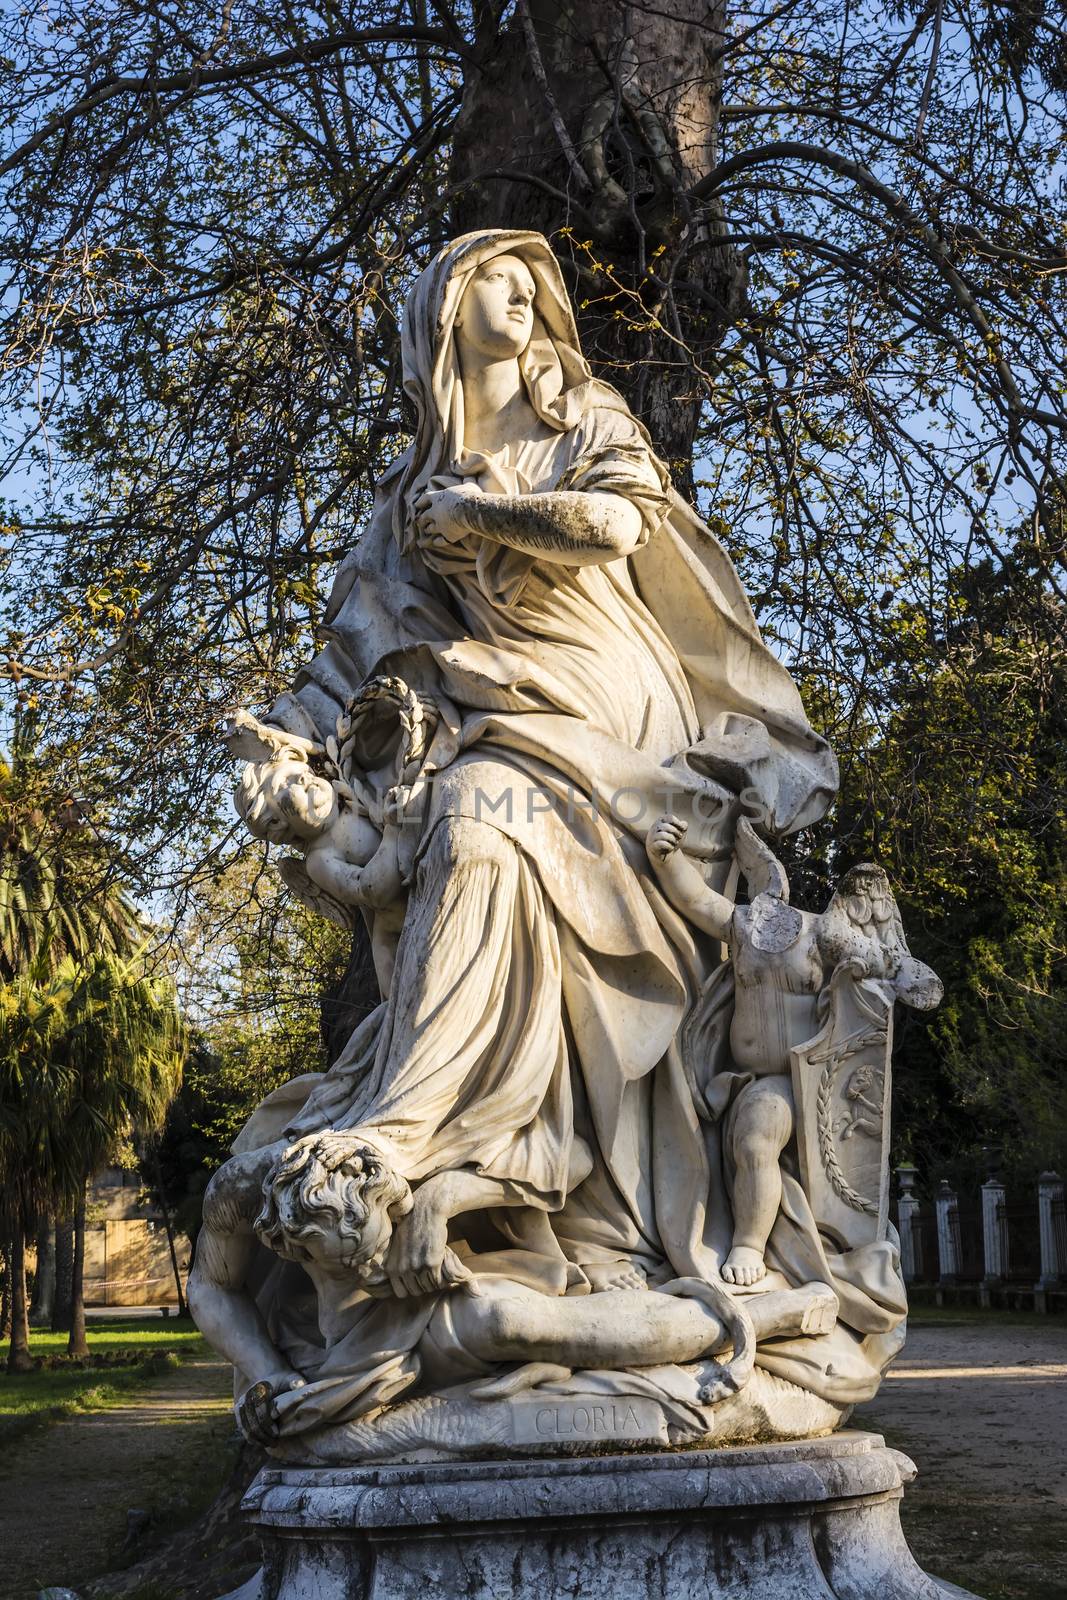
point(864, 1092)
point(331, 1203)
point(782, 959)
point(345, 856)
point(345, 861)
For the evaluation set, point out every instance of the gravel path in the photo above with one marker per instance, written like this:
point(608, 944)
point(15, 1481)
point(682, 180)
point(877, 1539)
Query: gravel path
point(982, 1411)
point(65, 1490)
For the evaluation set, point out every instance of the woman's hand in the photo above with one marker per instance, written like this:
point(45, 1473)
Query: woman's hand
point(439, 512)
point(419, 1259)
point(568, 526)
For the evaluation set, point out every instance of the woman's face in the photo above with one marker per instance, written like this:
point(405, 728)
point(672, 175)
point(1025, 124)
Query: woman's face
point(495, 318)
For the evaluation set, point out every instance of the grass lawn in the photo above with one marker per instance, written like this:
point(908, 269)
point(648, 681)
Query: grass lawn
point(956, 1316)
point(33, 1397)
point(80, 1448)
point(109, 1334)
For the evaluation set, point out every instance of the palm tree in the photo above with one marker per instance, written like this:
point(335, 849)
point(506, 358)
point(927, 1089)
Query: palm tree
point(59, 902)
point(57, 894)
point(89, 1056)
point(125, 1046)
point(34, 1082)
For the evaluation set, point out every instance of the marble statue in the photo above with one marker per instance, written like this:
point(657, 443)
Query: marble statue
point(329, 1203)
point(613, 1146)
point(782, 960)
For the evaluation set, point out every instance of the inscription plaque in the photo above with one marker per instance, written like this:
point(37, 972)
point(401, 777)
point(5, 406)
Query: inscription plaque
point(586, 1419)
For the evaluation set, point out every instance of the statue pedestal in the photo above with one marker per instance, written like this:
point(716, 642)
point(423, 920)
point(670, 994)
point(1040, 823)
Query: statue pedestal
point(813, 1520)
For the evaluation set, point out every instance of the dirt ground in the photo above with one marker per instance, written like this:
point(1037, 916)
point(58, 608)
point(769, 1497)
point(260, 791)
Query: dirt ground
point(66, 1488)
point(981, 1408)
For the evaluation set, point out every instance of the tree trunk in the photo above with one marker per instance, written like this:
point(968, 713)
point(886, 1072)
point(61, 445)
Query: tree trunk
point(19, 1358)
point(61, 1310)
point(77, 1344)
point(5, 1288)
point(354, 998)
point(44, 1283)
point(616, 110)
point(168, 1223)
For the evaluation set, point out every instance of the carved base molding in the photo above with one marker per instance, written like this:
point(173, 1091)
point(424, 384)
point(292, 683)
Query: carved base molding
point(816, 1519)
point(570, 1419)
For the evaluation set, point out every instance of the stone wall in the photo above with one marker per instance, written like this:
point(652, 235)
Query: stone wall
point(127, 1261)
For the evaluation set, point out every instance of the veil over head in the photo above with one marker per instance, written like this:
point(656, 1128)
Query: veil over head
point(558, 381)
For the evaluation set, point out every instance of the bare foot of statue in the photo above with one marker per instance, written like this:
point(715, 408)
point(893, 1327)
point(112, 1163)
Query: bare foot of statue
point(792, 1313)
point(820, 1314)
point(607, 1275)
point(744, 1266)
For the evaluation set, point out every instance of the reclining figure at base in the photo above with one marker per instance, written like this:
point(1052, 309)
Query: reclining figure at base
point(332, 1205)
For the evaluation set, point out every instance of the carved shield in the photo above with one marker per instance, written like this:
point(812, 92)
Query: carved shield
point(842, 1089)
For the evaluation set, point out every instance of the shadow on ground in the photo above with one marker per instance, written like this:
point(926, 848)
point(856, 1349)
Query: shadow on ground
point(981, 1408)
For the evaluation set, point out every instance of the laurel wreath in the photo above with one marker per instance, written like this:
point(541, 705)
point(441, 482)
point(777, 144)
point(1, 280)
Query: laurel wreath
point(417, 715)
point(411, 709)
point(824, 1118)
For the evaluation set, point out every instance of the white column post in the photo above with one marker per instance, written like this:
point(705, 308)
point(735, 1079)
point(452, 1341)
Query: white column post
point(994, 1237)
point(947, 1207)
point(1053, 1225)
point(995, 1230)
point(911, 1262)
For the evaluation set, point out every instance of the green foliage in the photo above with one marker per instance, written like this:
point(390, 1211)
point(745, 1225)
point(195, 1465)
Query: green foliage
point(58, 894)
point(962, 796)
point(89, 1056)
point(258, 967)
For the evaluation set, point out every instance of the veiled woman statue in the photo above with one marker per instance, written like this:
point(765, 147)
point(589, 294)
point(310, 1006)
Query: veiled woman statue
point(585, 660)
